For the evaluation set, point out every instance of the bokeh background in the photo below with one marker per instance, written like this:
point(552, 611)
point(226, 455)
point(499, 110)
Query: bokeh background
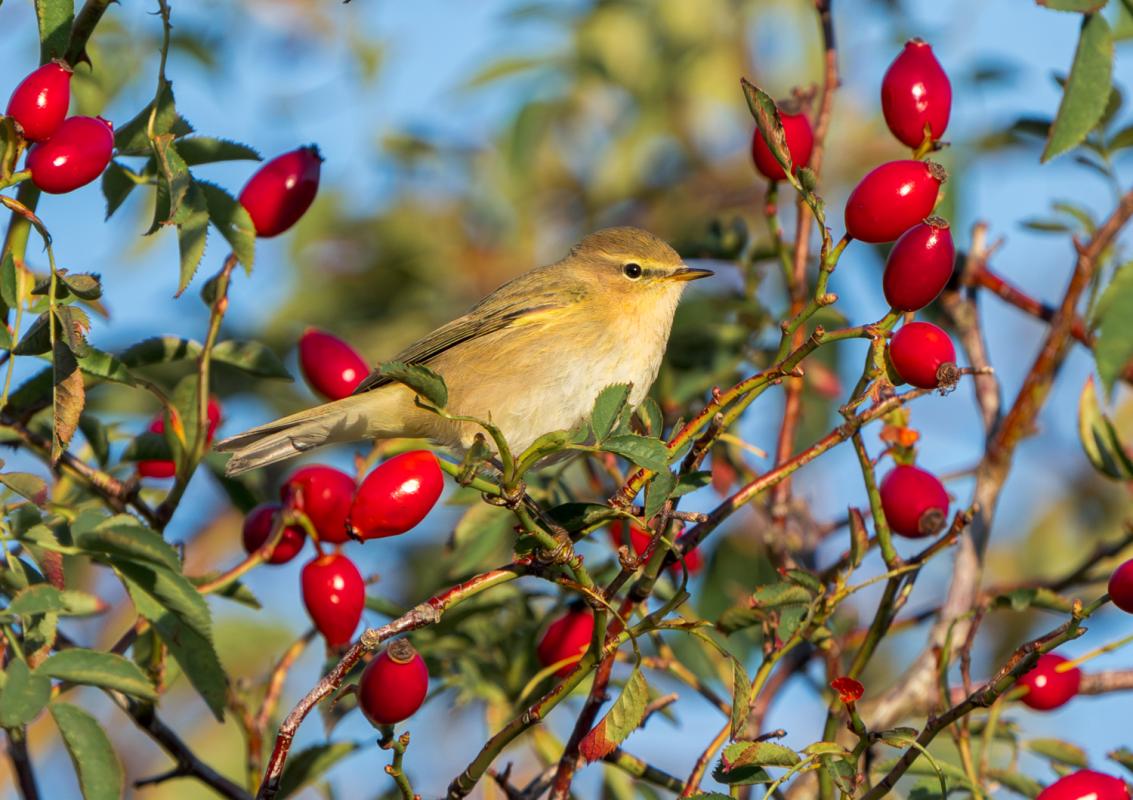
point(465, 143)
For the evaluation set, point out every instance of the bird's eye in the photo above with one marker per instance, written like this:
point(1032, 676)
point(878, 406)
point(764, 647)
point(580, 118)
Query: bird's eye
point(632, 271)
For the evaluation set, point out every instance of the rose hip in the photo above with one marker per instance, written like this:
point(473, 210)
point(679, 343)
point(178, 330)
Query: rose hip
point(335, 594)
point(916, 95)
point(330, 366)
point(914, 501)
point(396, 496)
point(1049, 687)
point(919, 265)
point(893, 198)
point(800, 143)
point(74, 156)
point(258, 526)
point(282, 190)
point(324, 494)
point(918, 351)
point(394, 685)
point(566, 638)
point(39, 104)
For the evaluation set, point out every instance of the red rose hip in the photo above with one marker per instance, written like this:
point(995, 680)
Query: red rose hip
point(40, 102)
point(74, 156)
point(393, 686)
point(567, 637)
point(322, 493)
point(1086, 784)
point(914, 501)
point(396, 496)
point(330, 366)
point(893, 198)
point(1121, 587)
point(916, 94)
point(919, 265)
point(282, 190)
point(919, 351)
point(1047, 686)
point(800, 142)
point(334, 594)
point(258, 525)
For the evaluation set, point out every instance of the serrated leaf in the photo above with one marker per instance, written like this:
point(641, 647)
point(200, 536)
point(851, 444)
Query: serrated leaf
point(1113, 349)
point(54, 18)
point(121, 537)
point(1087, 89)
point(74, 323)
point(1099, 438)
point(759, 754)
point(174, 182)
point(99, 770)
point(770, 125)
point(251, 357)
point(67, 400)
point(232, 221)
point(657, 491)
point(649, 453)
point(309, 764)
point(117, 183)
point(26, 485)
point(607, 407)
point(428, 384)
point(105, 366)
point(1123, 756)
point(132, 139)
point(207, 150)
point(24, 694)
point(574, 517)
point(1059, 751)
point(1120, 140)
point(686, 484)
point(1016, 782)
point(97, 437)
point(826, 749)
point(36, 340)
point(192, 234)
point(623, 718)
point(9, 281)
point(651, 415)
point(741, 697)
point(159, 350)
point(84, 285)
point(94, 668)
point(43, 598)
point(235, 591)
point(899, 737)
point(1079, 6)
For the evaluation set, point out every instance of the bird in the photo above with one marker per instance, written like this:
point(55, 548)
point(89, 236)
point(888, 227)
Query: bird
point(531, 357)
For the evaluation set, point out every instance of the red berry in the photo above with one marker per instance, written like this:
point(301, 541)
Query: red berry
point(1086, 785)
point(40, 102)
point(915, 94)
point(393, 686)
point(567, 637)
point(892, 199)
point(694, 562)
point(638, 537)
point(257, 528)
point(918, 351)
point(322, 493)
point(282, 190)
point(157, 469)
point(330, 365)
point(396, 496)
point(74, 156)
point(914, 501)
point(919, 265)
point(1048, 687)
point(335, 595)
point(800, 142)
point(212, 413)
point(1121, 587)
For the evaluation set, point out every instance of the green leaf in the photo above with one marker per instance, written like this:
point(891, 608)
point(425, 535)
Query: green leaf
point(651, 415)
point(42, 598)
point(1099, 438)
point(1059, 751)
point(235, 591)
point(760, 754)
point(232, 221)
point(24, 694)
point(252, 358)
point(31, 487)
point(105, 366)
point(1034, 597)
point(74, 323)
point(1120, 140)
point(658, 490)
point(1087, 89)
point(1123, 756)
point(826, 749)
point(94, 668)
point(122, 537)
point(117, 183)
point(1016, 782)
point(623, 718)
point(132, 139)
point(574, 517)
point(148, 446)
point(804, 579)
point(770, 125)
point(9, 283)
point(607, 407)
point(173, 591)
point(733, 774)
point(686, 484)
point(305, 767)
point(207, 150)
point(899, 737)
point(649, 453)
point(426, 383)
point(54, 18)
point(1080, 6)
point(159, 350)
point(192, 234)
point(67, 399)
point(1113, 349)
point(84, 285)
point(36, 340)
point(99, 770)
point(741, 697)
point(173, 183)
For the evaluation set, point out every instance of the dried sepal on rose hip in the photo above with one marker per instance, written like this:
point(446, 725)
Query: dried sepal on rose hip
point(893, 198)
point(282, 190)
point(916, 95)
point(923, 356)
point(75, 155)
point(394, 684)
point(335, 595)
point(39, 103)
point(914, 501)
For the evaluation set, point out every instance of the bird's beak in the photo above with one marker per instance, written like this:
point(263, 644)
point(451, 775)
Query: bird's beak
point(691, 274)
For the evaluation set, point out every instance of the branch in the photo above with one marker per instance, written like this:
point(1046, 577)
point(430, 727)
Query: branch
point(21, 764)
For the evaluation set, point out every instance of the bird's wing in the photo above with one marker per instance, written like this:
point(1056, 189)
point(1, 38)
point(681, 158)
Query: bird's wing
point(503, 309)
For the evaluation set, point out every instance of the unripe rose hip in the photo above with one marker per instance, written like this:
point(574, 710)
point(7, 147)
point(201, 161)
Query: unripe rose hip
point(919, 265)
point(893, 198)
point(800, 143)
point(74, 156)
point(282, 190)
point(330, 366)
point(1086, 784)
point(394, 684)
point(567, 637)
point(40, 102)
point(1121, 587)
point(1047, 686)
point(923, 355)
point(396, 496)
point(322, 493)
point(334, 594)
point(258, 525)
point(914, 501)
point(915, 94)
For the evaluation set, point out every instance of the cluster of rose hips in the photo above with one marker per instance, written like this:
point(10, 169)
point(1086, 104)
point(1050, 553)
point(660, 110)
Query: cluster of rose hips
point(894, 203)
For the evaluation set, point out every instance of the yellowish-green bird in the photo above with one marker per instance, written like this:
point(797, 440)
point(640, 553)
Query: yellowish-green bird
point(531, 357)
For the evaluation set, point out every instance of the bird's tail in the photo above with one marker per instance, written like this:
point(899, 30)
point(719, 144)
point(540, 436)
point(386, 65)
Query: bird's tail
point(339, 421)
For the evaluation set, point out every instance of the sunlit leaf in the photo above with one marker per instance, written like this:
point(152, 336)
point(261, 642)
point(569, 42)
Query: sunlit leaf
point(1087, 89)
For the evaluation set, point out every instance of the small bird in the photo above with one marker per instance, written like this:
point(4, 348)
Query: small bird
point(531, 357)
